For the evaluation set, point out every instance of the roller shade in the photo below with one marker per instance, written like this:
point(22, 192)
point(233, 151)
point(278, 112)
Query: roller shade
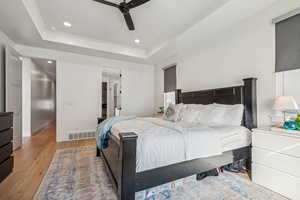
point(170, 80)
point(288, 44)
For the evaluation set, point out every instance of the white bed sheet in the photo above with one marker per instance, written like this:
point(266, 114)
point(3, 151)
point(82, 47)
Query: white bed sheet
point(161, 143)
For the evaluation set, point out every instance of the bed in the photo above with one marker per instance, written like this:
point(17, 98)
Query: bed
point(124, 156)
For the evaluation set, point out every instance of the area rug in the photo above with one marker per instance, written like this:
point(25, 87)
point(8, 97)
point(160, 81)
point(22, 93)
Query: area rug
point(77, 174)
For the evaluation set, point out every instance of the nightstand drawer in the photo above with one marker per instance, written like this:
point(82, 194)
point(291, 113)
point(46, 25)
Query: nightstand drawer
point(6, 137)
point(6, 121)
point(281, 162)
point(280, 182)
point(6, 168)
point(278, 143)
point(5, 152)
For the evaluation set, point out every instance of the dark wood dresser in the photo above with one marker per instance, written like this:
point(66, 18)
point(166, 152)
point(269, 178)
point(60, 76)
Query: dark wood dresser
point(6, 147)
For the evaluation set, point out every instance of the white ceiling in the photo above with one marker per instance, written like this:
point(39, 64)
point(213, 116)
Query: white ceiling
point(156, 21)
point(100, 30)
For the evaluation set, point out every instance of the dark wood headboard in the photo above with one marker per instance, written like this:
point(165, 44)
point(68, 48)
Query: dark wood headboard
point(243, 94)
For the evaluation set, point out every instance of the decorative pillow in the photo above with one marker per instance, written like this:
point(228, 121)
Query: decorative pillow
point(170, 113)
point(178, 110)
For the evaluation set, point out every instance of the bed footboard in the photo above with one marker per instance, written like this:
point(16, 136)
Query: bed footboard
point(120, 161)
point(126, 183)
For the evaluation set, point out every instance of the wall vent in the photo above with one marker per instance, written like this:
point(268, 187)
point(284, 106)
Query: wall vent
point(82, 135)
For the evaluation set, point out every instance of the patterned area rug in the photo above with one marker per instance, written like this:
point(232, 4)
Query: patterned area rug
point(76, 174)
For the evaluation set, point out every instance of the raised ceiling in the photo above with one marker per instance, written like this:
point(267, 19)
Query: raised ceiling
point(101, 27)
point(155, 21)
point(100, 30)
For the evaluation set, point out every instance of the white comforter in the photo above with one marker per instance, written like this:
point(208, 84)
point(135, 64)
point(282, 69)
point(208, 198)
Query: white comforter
point(161, 143)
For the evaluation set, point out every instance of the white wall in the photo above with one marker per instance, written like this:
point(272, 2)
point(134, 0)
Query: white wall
point(80, 85)
point(78, 98)
point(43, 94)
point(243, 50)
point(26, 97)
point(79, 95)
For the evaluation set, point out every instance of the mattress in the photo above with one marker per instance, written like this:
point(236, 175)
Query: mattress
point(161, 143)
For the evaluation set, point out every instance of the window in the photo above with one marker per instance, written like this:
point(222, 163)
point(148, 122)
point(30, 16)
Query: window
point(170, 85)
point(287, 59)
point(288, 44)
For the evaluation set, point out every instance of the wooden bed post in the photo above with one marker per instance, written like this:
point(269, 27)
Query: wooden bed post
point(250, 102)
point(98, 153)
point(126, 183)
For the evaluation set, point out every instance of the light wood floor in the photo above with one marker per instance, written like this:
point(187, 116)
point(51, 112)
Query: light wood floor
point(32, 162)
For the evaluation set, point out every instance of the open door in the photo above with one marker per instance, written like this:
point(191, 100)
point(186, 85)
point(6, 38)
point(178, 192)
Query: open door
point(13, 92)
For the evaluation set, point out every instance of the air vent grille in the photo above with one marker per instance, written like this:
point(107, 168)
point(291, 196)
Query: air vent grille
point(82, 135)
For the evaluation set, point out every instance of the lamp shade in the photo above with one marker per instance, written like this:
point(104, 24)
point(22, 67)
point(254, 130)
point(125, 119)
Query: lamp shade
point(285, 103)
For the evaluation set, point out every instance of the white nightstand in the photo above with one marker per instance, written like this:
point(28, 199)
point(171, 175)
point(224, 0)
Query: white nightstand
point(276, 161)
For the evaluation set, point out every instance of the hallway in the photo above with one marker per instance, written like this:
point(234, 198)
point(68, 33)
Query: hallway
point(32, 162)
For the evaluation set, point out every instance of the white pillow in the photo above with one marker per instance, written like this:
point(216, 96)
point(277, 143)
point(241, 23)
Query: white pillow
point(194, 106)
point(189, 115)
point(220, 114)
point(207, 114)
point(231, 115)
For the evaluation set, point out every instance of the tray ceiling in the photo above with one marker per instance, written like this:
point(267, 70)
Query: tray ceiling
point(100, 27)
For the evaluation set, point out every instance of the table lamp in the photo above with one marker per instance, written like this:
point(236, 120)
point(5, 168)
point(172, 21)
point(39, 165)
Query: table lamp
point(285, 104)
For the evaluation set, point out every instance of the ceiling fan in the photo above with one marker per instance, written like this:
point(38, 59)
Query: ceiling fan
point(125, 8)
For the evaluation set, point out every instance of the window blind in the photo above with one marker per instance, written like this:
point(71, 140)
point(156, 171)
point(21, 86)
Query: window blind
point(170, 80)
point(288, 44)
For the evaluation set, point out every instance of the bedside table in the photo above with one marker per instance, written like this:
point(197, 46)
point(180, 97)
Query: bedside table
point(276, 161)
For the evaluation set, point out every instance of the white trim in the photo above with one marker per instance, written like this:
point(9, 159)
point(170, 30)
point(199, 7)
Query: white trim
point(169, 66)
point(7, 40)
point(286, 16)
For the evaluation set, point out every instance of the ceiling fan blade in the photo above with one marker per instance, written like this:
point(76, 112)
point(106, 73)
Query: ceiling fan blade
point(129, 21)
point(136, 3)
point(107, 3)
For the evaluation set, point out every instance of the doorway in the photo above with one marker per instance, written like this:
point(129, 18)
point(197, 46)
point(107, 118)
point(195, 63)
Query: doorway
point(111, 93)
point(39, 96)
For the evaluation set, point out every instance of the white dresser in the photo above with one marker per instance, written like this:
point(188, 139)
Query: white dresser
point(276, 161)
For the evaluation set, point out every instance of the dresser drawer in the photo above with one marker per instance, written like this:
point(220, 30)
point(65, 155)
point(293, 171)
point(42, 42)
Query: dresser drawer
point(6, 136)
point(277, 161)
point(280, 182)
point(288, 145)
point(6, 168)
point(5, 152)
point(6, 121)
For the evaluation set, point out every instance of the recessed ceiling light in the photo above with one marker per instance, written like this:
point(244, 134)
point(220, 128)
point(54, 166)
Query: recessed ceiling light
point(50, 62)
point(67, 24)
point(137, 41)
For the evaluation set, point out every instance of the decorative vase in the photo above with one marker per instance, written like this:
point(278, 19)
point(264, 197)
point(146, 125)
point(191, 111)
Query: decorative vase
point(291, 125)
